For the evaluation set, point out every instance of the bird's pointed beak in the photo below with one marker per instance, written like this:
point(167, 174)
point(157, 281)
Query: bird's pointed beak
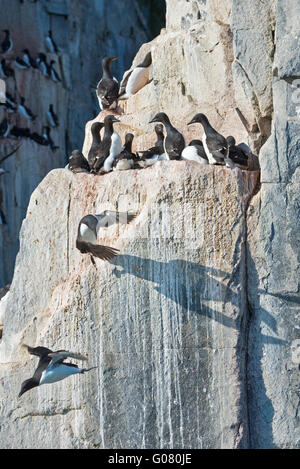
point(191, 122)
point(115, 120)
point(114, 58)
point(152, 120)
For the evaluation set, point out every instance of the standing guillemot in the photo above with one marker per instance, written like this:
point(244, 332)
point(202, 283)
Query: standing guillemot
point(96, 140)
point(237, 156)
point(108, 86)
point(215, 145)
point(7, 44)
point(46, 135)
point(42, 65)
point(52, 72)
point(51, 367)
point(78, 163)
point(5, 70)
point(50, 43)
point(39, 139)
point(88, 232)
point(126, 159)
point(28, 59)
point(136, 79)
point(52, 117)
point(195, 152)
point(25, 111)
point(156, 153)
point(174, 141)
point(110, 146)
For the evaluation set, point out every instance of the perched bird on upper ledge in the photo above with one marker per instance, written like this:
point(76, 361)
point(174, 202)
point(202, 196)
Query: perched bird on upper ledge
point(136, 79)
point(174, 141)
point(108, 86)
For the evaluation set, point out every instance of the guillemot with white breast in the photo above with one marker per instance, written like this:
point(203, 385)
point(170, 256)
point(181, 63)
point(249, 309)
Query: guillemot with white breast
point(88, 229)
point(52, 367)
point(136, 78)
point(110, 146)
point(195, 152)
point(108, 87)
point(215, 145)
point(174, 142)
point(126, 159)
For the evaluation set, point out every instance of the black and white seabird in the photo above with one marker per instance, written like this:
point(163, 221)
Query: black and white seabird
point(96, 140)
point(237, 156)
point(108, 87)
point(110, 146)
point(50, 43)
point(53, 73)
point(174, 141)
point(52, 117)
point(46, 134)
point(126, 159)
point(156, 153)
point(38, 139)
point(28, 59)
point(136, 79)
point(88, 232)
point(78, 163)
point(215, 145)
point(7, 44)
point(24, 110)
point(20, 63)
point(195, 152)
point(4, 128)
point(51, 367)
point(5, 70)
point(42, 65)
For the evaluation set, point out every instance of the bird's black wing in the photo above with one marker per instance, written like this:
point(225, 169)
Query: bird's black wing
point(174, 145)
point(107, 91)
point(103, 153)
point(217, 146)
point(102, 252)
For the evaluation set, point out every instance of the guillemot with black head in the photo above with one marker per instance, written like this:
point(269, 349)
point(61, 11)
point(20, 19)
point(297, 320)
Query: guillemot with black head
point(174, 142)
point(78, 163)
point(237, 156)
point(7, 43)
point(126, 159)
point(215, 145)
point(88, 229)
point(52, 367)
point(110, 146)
point(108, 87)
point(136, 78)
point(96, 141)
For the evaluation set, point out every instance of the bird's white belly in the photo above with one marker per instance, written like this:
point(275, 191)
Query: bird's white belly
point(115, 149)
point(208, 154)
point(123, 165)
point(137, 80)
point(87, 234)
point(166, 154)
point(57, 373)
point(190, 153)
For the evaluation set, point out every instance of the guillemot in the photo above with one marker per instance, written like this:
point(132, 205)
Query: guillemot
point(126, 159)
point(7, 44)
point(51, 367)
point(46, 135)
point(195, 152)
point(108, 87)
point(88, 232)
point(42, 65)
point(136, 79)
point(5, 70)
point(20, 63)
point(215, 145)
point(24, 110)
point(78, 163)
point(53, 73)
point(52, 117)
point(50, 43)
point(4, 128)
point(28, 59)
point(174, 141)
point(96, 140)
point(110, 146)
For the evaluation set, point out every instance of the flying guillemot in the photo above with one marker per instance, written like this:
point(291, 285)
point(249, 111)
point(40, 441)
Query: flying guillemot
point(174, 141)
point(110, 146)
point(215, 145)
point(136, 79)
point(88, 232)
point(51, 367)
point(96, 141)
point(108, 87)
point(195, 152)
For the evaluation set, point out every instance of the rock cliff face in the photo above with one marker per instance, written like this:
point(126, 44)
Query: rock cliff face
point(194, 326)
point(84, 31)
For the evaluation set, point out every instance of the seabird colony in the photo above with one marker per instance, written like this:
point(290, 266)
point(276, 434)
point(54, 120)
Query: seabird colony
point(107, 154)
